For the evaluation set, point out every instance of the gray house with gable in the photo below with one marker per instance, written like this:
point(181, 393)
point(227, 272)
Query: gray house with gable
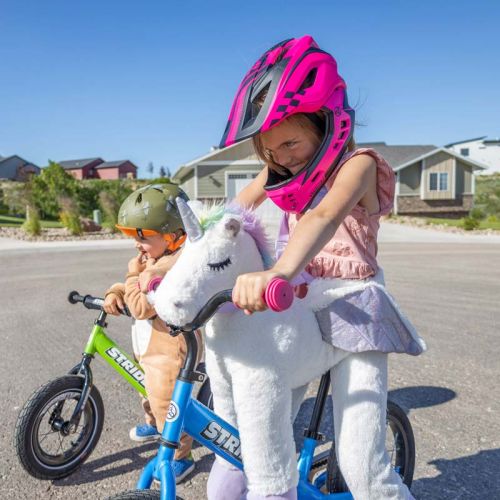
point(430, 180)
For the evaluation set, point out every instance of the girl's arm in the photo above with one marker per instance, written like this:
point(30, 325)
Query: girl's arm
point(355, 182)
point(254, 194)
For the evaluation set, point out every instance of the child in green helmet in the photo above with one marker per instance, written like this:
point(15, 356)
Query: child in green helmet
point(150, 216)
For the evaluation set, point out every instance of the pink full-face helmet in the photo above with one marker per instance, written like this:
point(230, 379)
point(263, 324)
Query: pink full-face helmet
point(295, 76)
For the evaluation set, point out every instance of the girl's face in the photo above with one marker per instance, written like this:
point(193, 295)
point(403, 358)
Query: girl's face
point(290, 145)
point(153, 247)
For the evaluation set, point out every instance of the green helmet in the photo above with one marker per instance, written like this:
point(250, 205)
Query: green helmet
point(151, 208)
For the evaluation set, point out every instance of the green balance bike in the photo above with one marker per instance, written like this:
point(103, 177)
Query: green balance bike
point(61, 423)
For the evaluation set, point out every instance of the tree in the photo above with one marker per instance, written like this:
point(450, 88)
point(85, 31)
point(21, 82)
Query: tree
point(48, 188)
point(163, 173)
point(150, 168)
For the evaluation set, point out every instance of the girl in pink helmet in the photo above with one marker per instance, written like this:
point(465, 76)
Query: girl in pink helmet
point(293, 105)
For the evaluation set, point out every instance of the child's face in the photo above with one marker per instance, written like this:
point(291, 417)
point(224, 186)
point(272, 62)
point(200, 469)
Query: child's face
point(290, 145)
point(153, 247)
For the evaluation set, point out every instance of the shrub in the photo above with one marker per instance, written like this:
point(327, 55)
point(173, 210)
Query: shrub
point(492, 218)
point(70, 216)
point(110, 206)
point(477, 213)
point(32, 223)
point(469, 224)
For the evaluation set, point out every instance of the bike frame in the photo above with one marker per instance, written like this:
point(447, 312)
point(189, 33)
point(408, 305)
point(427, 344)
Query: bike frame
point(116, 357)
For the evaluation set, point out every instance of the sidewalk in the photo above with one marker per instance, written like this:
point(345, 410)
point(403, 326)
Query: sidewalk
point(389, 233)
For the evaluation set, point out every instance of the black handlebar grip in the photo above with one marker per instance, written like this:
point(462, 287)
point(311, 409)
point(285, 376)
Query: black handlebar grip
point(74, 297)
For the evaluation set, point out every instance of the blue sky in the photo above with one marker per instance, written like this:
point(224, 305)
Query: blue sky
point(153, 81)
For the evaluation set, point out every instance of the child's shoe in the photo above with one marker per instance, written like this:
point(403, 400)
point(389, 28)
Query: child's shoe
point(182, 468)
point(144, 433)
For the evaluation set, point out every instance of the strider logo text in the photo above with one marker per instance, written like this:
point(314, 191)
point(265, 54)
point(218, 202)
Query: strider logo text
point(223, 439)
point(126, 364)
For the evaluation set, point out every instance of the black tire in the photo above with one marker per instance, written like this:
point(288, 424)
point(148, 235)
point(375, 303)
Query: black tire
point(139, 495)
point(400, 444)
point(55, 402)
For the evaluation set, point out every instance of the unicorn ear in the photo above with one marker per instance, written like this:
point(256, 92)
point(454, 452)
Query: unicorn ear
point(233, 226)
point(192, 225)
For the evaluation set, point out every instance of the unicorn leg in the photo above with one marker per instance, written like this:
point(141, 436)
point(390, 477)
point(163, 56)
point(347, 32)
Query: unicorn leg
point(225, 482)
point(359, 389)
point(263, 406)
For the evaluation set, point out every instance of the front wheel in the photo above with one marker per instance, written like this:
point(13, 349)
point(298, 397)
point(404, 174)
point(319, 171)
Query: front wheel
point(47, 446)
point(400, 446)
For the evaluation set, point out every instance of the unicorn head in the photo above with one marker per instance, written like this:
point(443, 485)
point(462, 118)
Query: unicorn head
point(223, 242)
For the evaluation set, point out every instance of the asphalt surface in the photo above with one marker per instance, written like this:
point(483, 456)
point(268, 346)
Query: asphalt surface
point(450, 290)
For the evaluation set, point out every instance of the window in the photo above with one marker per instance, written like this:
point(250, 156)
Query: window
point(464, 151)
point(438, 181)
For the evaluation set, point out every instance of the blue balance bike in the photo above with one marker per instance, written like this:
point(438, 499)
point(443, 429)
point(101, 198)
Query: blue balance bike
point(319, 474)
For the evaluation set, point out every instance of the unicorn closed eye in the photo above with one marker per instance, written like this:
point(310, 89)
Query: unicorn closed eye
point(254, 362)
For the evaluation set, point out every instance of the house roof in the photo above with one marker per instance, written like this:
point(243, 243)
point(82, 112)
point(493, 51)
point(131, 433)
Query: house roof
point(186, 167)
point(5, 158)
point(70, 164)
point(463, 159)
point(114, 164)
point(466, 140)
point(398, 155)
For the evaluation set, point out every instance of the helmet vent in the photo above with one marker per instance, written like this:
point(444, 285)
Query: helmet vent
point(309, 80)
point(139, 198)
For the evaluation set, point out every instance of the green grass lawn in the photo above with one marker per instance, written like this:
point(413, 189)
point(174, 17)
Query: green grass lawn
point(458, 223)
point(10, 221)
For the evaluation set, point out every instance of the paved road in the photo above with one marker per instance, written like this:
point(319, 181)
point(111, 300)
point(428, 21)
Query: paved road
point(449, 290)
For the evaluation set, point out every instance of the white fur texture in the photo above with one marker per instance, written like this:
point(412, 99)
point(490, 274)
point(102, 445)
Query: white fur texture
point(254, 361)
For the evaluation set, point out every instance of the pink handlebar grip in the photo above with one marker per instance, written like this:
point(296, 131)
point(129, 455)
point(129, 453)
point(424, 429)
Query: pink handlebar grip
point(278, 295)
point(154, 284)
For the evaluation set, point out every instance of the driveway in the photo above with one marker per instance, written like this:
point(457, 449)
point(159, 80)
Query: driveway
point(450, 290)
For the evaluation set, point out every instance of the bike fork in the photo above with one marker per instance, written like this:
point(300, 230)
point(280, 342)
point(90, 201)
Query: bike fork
point(82, 369)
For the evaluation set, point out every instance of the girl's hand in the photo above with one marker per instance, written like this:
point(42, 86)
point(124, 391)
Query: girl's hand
point(112, 304)
point(248, 292)
point(137, 264)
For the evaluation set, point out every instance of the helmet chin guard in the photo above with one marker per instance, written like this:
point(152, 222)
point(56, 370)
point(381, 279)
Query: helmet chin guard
point(293, 77)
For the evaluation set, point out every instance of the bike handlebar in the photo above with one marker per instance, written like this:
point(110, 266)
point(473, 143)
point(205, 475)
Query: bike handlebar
point(92, 302)
point(278, 296)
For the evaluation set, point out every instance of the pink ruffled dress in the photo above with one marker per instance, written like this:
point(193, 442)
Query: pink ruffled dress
point(360, 315)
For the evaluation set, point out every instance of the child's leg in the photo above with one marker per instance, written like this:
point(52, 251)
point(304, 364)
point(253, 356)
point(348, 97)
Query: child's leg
point(359, 389)
point(149, 418)
point(161, 363)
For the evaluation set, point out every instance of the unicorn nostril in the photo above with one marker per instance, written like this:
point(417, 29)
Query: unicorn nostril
point(178, 305)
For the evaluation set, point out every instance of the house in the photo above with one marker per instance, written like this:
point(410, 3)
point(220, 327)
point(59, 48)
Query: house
point(430, 180)
point(16, 168)
point(97, 168)
point(81, 169)
point(123, 169)
point(480, 149)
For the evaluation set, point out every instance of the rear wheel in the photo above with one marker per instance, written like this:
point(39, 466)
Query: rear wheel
point(47, 446)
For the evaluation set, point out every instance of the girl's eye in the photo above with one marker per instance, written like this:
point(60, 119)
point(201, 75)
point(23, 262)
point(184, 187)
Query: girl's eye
point(219, 266)
point(290, 144)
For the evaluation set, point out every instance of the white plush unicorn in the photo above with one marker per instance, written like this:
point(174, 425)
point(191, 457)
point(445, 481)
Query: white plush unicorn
point(254, 362)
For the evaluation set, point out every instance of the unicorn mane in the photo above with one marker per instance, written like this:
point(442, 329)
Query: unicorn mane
point(210, 215)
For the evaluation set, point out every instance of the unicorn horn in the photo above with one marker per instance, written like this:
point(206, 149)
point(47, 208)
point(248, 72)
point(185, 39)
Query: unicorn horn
point(191, 223)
